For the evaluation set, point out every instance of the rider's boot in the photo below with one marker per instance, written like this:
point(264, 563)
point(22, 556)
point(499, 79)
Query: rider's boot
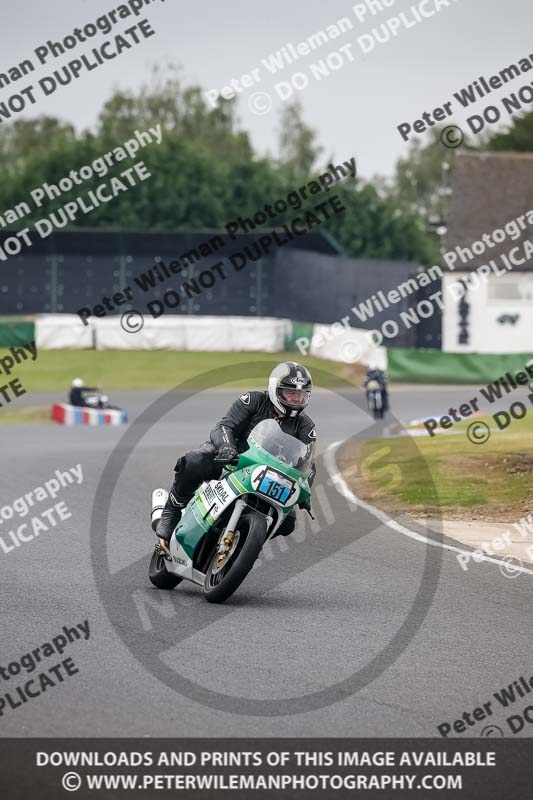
point(169, 519)
point(186, 479)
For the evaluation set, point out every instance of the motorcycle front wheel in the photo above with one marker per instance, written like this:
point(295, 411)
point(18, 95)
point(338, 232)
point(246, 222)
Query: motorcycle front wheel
point(375, 403)
point(222, 580)
point(379, 412)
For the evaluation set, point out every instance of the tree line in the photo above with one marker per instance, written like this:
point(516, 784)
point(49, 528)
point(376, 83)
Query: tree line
point(205, 171)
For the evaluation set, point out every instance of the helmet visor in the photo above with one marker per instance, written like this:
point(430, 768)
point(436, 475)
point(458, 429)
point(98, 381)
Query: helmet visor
point(294, 398)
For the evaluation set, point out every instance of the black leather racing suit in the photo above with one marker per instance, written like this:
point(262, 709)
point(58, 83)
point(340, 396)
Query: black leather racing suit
point(78, 395)
point(233, 429)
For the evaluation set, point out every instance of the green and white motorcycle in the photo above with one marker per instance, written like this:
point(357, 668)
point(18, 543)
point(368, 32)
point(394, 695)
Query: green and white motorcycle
point(227, 522)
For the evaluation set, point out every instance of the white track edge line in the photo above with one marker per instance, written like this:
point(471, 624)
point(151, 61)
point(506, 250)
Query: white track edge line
point(343, 488)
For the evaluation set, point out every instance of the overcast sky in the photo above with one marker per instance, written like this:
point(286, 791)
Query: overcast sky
point(355, 110)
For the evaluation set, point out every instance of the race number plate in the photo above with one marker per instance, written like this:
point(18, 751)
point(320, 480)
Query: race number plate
point(276, 486)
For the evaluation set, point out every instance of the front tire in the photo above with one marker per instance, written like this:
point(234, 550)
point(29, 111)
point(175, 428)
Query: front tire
point(218, 586)
point(375, 402)
point(158, 574)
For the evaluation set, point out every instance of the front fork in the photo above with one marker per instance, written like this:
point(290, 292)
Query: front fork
point(239, 507)
point(226, 540)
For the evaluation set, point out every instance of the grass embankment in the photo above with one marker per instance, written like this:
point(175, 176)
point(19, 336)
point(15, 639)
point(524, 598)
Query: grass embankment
point(447, 476)
point(54, 370)
point(24, 416)
point(113, 370)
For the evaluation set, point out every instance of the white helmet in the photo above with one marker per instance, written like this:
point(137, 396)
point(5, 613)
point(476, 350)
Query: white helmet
point(77, 383)
point(289, 388)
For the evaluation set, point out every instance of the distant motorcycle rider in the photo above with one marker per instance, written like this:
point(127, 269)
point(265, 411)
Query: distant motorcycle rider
point(87, 396)
point(288, 393)
point(81, 395)
point(379, 376)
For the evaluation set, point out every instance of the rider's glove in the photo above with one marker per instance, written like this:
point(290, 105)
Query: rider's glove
point(228, 454)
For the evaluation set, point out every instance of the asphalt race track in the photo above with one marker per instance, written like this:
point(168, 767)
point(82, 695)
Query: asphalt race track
point(352, 630)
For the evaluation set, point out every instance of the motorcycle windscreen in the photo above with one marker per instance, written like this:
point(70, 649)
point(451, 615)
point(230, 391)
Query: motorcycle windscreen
point(288, 449)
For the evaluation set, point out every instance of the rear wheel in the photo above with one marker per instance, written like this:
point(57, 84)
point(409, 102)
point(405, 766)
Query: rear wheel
point(227, 571)
point(158, 574)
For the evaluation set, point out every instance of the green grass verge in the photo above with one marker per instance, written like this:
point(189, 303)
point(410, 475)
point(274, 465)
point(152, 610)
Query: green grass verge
point(447, 475)
point(159, 369)
point(25, 416)
point(408, 365)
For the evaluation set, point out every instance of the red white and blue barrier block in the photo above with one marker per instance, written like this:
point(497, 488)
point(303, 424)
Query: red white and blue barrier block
point(65, 414)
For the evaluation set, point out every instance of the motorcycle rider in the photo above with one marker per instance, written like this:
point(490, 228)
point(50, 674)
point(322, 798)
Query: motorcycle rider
point(87, 396)
point(288, 393)
point(81, 395)
point(375, 374)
